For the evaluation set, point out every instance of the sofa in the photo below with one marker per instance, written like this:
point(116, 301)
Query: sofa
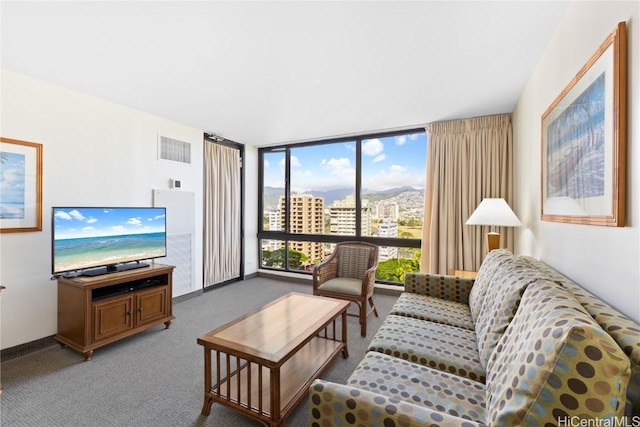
point(520, 344)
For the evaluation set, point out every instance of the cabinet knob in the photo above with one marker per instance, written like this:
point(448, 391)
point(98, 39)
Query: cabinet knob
point(129, 313)
point(140, 309)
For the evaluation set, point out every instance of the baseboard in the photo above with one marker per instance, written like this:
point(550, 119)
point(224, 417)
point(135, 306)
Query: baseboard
point(26, 348)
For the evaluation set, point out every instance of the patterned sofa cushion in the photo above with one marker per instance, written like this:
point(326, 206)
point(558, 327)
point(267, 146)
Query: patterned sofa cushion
point(417, 384)
point(501, 302)
point(451, 288)
point(622, 329)
point(442, 347)
point(485, 274)
point(433, 309)
point(554, 363)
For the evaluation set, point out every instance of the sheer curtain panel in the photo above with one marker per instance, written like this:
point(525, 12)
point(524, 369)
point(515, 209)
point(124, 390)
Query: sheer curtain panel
point(467, 161)
point(222, 213)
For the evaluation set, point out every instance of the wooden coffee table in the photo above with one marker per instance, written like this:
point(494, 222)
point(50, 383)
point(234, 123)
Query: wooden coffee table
point(266, 360)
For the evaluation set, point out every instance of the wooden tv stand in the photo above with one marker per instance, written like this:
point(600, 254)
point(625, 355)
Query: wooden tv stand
point(96, 311)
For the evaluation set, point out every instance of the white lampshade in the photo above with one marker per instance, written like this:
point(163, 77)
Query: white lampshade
point(494, 212)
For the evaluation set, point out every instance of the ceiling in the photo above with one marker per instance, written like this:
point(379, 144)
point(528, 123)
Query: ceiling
point(267, 72)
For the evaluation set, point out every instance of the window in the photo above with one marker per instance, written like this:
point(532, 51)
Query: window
point(367, 188)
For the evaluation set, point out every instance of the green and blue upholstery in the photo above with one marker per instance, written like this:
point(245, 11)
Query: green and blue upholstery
point(443, 347)
point(541, 351)
point(554, 364)
point(622, 329)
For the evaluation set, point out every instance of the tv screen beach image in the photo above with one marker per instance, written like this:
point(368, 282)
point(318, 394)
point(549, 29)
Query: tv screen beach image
point(91, 237)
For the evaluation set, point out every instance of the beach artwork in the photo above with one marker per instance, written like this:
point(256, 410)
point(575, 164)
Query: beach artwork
point(20, 186)
point(583, 142)
point(12, 185)
point(576, 147)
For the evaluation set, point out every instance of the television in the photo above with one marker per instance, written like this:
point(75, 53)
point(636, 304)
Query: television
point(91, 241)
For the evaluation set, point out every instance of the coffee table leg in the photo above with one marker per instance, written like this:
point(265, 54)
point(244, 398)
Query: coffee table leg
point(345, 350)
point(208, 399)
point(275, 397)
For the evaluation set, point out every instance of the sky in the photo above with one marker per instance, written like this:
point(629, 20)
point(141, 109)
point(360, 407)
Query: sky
point(389, 162)
point(72, 223)
point(12, 177)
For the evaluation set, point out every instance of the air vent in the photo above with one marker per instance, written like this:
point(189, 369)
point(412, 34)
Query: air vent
point(172, 149)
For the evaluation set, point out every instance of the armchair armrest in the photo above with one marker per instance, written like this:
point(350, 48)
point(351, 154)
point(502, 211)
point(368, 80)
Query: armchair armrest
point(325, 271)
point(441, 286)
point(337, 404)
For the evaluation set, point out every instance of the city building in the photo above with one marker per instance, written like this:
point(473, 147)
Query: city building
point(343, 217)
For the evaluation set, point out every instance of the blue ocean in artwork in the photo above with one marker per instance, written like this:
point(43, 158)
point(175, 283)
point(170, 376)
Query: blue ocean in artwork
point(79, 253)
point(9, 210)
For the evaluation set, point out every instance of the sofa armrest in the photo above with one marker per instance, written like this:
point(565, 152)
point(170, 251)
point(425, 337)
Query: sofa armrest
point(337, 405)
point(452, 288)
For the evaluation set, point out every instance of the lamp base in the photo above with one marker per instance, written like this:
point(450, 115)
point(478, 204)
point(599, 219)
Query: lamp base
point(493, 241)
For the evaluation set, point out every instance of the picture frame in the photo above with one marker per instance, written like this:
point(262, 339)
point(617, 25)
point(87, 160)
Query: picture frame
point(21, 186)
point(584, 141)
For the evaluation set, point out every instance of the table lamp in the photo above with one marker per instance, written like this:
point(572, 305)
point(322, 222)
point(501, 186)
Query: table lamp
point(495, 213)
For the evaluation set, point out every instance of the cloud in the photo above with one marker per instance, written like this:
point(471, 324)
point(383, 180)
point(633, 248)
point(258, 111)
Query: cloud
point(401, 140)
point(91, 220)
point(302, 173)
point(341, 166)
point(117, 228)
point(295, 162)
point(398, 169)
point(372, 147)
point(63, 215)
point(89, 228)
point(134, 221)
point(75, 214)
point(395, 176)
point(379, 158)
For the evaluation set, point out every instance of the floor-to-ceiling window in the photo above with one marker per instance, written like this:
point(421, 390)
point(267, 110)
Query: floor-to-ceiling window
point(368, 187)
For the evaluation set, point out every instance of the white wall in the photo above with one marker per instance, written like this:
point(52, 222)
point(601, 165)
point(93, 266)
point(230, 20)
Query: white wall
point(605, 260)
point(95, 153)
point(250, 209)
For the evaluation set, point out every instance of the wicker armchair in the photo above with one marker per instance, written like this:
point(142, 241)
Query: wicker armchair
point(349, 274)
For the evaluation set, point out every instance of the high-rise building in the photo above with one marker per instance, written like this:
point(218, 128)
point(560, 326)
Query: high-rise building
point(274, 220)
point(386, 209)
point(343, 217)
point(306, 216)
point(388, 228)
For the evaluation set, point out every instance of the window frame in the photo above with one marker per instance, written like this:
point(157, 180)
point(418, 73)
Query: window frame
point(286, 236)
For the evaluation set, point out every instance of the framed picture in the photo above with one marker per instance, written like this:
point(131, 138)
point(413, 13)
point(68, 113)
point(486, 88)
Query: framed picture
point(20, 186)
point(583, 141)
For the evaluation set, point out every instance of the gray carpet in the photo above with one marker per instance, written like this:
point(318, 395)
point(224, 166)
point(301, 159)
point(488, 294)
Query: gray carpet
point(154, 378)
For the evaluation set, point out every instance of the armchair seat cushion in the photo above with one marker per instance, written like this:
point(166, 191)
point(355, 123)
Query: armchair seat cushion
point(342, 285)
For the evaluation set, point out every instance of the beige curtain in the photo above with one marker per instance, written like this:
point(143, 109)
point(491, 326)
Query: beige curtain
point(222, 213)
point(467, 161)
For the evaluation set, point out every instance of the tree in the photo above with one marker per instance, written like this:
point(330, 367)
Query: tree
point(276, 258)
point(393, 270)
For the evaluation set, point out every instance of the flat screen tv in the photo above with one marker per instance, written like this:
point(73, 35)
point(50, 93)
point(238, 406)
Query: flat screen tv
point(91, 241)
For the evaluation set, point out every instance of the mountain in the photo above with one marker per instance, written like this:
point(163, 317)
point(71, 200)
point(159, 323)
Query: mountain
point(272, 194)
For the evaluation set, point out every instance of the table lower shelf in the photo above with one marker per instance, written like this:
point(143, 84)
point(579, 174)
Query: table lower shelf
point(249, 388)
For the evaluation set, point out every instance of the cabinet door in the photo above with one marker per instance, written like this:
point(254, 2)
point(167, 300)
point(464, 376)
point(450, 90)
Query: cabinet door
point(151, 305)
point(112, 316)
